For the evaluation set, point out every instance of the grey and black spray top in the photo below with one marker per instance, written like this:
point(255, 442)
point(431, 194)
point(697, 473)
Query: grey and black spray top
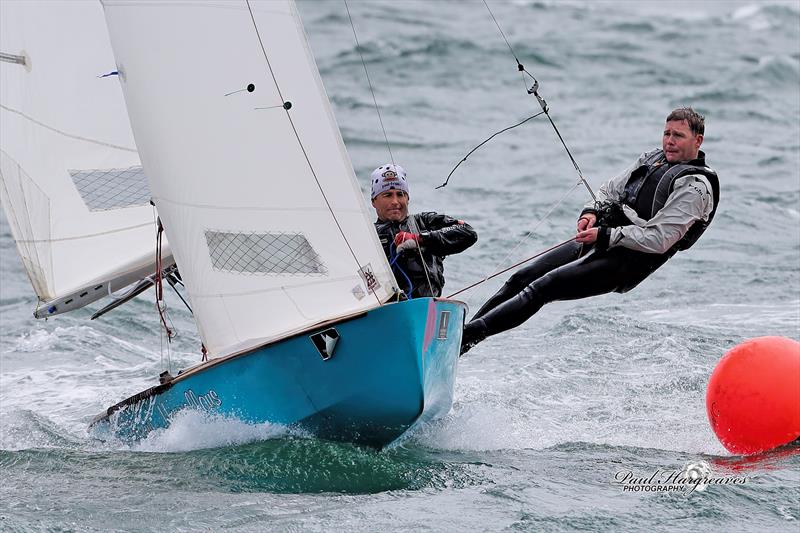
point(650, 185)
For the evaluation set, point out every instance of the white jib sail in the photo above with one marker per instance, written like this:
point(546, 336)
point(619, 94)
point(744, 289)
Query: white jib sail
point(268, 226)
point(72, 185)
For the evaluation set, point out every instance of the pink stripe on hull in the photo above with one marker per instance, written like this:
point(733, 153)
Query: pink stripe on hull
point(430, 326)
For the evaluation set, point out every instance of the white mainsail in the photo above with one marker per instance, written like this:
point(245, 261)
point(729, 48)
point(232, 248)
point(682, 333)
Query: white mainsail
point(268, 226)
point(72, 186)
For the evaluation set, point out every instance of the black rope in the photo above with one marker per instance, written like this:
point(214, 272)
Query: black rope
point(173, 281)
point(364, 64)
point(303, 148)
point(484, 142)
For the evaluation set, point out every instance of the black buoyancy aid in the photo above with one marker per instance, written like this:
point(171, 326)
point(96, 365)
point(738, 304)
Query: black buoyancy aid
point(651, 184)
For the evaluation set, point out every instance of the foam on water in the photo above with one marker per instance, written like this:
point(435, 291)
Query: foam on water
point(191, 429)
point(753, 16)
point(36, 340)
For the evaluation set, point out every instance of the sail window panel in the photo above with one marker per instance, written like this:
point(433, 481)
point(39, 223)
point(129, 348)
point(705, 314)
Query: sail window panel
point(114, 188)
point(263, 253)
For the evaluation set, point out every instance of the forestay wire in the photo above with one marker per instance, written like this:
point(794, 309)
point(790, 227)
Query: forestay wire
point(369, 81)
point(412, 221)
point(305, 153)
point(534, 90)
point(520, 243)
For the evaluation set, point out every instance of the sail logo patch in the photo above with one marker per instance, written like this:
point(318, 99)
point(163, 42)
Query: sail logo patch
point(368, 276)
point(325, 342)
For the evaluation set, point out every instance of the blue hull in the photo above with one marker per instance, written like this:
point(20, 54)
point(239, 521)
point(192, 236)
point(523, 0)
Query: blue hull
point(390, 368)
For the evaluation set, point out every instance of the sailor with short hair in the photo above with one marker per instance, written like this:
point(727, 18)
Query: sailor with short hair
point(660, 205)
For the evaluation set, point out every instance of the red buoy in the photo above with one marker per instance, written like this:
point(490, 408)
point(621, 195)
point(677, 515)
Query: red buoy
point(753, 396)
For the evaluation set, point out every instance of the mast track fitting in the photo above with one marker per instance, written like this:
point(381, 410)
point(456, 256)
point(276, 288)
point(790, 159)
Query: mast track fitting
point(17, 59)
point(287, 105)
point(250, 88)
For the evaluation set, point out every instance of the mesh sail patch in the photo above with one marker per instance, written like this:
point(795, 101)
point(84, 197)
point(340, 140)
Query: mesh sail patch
point(263, 253)
point(112, 188)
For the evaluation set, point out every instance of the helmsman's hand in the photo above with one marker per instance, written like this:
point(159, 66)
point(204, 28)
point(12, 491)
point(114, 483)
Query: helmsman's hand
point(405, 240)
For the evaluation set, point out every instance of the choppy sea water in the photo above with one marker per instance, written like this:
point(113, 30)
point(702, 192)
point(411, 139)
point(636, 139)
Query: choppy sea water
point(546, 415)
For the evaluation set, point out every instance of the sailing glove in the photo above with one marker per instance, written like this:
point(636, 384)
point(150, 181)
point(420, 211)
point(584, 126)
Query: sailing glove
point(405, 240)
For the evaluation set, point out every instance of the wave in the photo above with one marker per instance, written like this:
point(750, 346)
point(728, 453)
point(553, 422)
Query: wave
point(531, 57)
point(767, 16)
point(383, 52)
point(379, 142)
point(84, 341)
point(25, 429)
point(351, 103)
point(643, 27)
point(40, 339)
point(726, 95)
point(240, 456)
point(777, 68)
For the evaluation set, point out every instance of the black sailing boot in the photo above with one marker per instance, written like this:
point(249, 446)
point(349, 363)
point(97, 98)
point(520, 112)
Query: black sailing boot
point(474, 332)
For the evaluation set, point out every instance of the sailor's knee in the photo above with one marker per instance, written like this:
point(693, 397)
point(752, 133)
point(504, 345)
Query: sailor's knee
point(511, 287)
point(542, 284)
point(530, 295)
point(518, 281)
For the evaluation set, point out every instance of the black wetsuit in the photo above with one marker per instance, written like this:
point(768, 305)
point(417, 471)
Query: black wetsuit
point(574, 271)
point(441, 236)
point(569, 272)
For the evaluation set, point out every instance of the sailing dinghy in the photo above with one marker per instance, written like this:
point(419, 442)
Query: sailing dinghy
point(294, 299)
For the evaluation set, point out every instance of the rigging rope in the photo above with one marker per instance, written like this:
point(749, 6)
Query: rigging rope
point(369, 81)
point(161, 306)
point(392, 260)
point(492, 136)
point(412, 221)
point(361, 269)
point(539, 223)
point(562, 243)
point(534, 90)
point(521, 241)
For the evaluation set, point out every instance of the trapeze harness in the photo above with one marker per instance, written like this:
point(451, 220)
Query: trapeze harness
point(569, 272)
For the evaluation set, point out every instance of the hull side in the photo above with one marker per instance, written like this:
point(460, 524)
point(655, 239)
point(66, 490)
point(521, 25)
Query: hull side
point(391, 368)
